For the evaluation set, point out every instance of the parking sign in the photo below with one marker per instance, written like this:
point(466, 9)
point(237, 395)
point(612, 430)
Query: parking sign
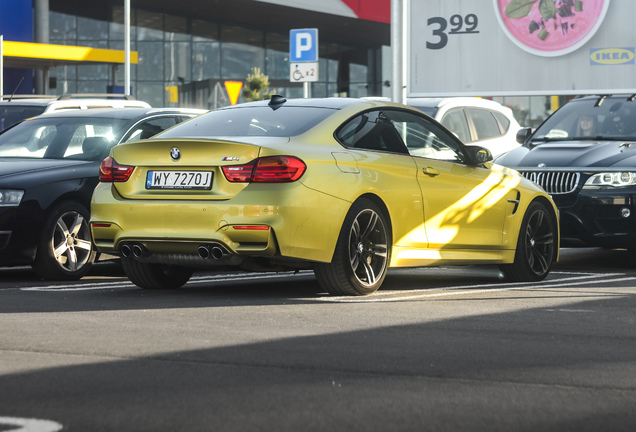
point(303, 45)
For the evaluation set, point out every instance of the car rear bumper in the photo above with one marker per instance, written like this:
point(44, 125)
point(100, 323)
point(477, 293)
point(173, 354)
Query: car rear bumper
point(294, 222)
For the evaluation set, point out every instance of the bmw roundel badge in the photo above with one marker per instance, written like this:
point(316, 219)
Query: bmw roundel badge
point(175, 153)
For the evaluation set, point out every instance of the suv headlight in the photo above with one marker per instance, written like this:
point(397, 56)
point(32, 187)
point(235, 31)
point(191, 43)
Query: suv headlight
point(9, 197)
point(613, 179)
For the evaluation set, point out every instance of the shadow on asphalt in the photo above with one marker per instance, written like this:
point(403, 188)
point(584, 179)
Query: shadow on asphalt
point(533, 369)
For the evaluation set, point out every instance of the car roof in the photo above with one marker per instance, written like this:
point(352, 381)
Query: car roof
point(333, 102)
point(453, 101)
point(26, 101)
point(122, 113)
point(73, 101)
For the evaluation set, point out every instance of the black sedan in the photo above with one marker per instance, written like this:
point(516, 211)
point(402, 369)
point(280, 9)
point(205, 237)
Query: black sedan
point(49, 167)
point(584, 155)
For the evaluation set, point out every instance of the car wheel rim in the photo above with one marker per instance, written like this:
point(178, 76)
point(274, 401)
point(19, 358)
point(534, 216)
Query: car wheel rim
point(539, 242)
point(71, 242)
point(368, 248)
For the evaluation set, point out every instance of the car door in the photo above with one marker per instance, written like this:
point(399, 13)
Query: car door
point(390, 172)
point(464, 205)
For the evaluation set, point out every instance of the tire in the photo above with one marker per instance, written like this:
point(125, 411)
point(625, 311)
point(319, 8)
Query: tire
point(155, 276)
point(535, 248)
point(362, 253)
point(65, 249)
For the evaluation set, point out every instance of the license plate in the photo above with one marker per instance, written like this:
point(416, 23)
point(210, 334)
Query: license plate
point(179, 180)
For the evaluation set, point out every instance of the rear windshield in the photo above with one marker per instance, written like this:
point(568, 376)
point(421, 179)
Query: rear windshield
point(251, 121)
point(11, 114)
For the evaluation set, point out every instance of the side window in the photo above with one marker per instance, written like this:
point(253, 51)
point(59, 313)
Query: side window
point(424, 138)
point(485, 124)
point(150, 128)
point(455, 121)
point(503, 121)
point(371, 130)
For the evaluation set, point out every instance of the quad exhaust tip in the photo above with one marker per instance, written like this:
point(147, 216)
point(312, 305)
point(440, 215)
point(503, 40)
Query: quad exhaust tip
point(126, 250)
point(137, 251)
point(132, 250)
point(205, 251)
point(211, 252)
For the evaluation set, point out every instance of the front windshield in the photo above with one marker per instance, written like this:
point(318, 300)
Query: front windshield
point(613, 119)
point(84, 138)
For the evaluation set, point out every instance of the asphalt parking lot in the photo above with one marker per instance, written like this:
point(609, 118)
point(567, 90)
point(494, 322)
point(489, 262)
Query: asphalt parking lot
point(435, 349)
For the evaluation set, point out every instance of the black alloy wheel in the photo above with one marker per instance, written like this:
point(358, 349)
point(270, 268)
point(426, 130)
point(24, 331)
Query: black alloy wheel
point(535, 251)
point(362, 254)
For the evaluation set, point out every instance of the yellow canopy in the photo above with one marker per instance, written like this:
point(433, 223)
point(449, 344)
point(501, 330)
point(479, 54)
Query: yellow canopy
point(36, 55)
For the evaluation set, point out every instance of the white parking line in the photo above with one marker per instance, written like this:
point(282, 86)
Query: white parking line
point(193, 280)
point(394, 296)
point(380, 296)
point(30, 425)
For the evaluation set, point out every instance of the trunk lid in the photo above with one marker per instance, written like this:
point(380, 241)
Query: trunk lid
point(175, 169)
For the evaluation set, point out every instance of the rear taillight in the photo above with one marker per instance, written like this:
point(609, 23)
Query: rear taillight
point(239, 173)
point(271, 169)
point(110, 171)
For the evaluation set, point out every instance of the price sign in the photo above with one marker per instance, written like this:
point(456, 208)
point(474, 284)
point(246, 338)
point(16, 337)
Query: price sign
point(520, 47)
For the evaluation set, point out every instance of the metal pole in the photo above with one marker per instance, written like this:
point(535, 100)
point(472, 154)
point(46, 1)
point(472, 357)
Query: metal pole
point(306, 90)
point(406, 11)
point(41, 35)
point(397, 51)
point(127, 47)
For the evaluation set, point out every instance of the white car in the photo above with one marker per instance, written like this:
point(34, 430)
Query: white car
point(19, 107)
point(474, 120)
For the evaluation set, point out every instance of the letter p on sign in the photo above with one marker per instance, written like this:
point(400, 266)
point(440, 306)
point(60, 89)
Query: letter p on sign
point(303, 45)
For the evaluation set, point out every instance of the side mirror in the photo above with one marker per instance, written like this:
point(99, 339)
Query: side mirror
point(523, 134)
point(479, 155)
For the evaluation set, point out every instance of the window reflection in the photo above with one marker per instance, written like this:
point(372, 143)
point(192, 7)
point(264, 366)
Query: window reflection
point(241, 50)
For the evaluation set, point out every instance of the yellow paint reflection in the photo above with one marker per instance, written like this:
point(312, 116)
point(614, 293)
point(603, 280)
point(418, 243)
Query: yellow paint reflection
point(443, 227)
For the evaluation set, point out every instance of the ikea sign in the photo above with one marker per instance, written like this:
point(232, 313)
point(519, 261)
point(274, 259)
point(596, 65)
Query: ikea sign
point(505, 47)
point(612, 56)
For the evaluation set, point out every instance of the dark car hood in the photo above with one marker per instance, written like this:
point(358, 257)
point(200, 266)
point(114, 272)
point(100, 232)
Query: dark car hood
point(11, 166)
point(26, 173)
point(572, 154)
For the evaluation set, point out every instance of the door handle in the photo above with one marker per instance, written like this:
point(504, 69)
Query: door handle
point(430, 171)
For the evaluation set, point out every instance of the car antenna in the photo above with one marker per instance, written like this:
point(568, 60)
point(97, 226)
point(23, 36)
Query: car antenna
point(276, 102)
point(16, 89)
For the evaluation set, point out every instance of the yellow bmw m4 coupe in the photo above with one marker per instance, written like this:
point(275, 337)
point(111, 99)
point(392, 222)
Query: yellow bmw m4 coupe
point(346, 187)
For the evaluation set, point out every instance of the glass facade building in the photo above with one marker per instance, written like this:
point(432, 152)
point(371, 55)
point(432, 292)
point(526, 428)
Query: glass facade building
point(187, 50)
point(190, 56)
